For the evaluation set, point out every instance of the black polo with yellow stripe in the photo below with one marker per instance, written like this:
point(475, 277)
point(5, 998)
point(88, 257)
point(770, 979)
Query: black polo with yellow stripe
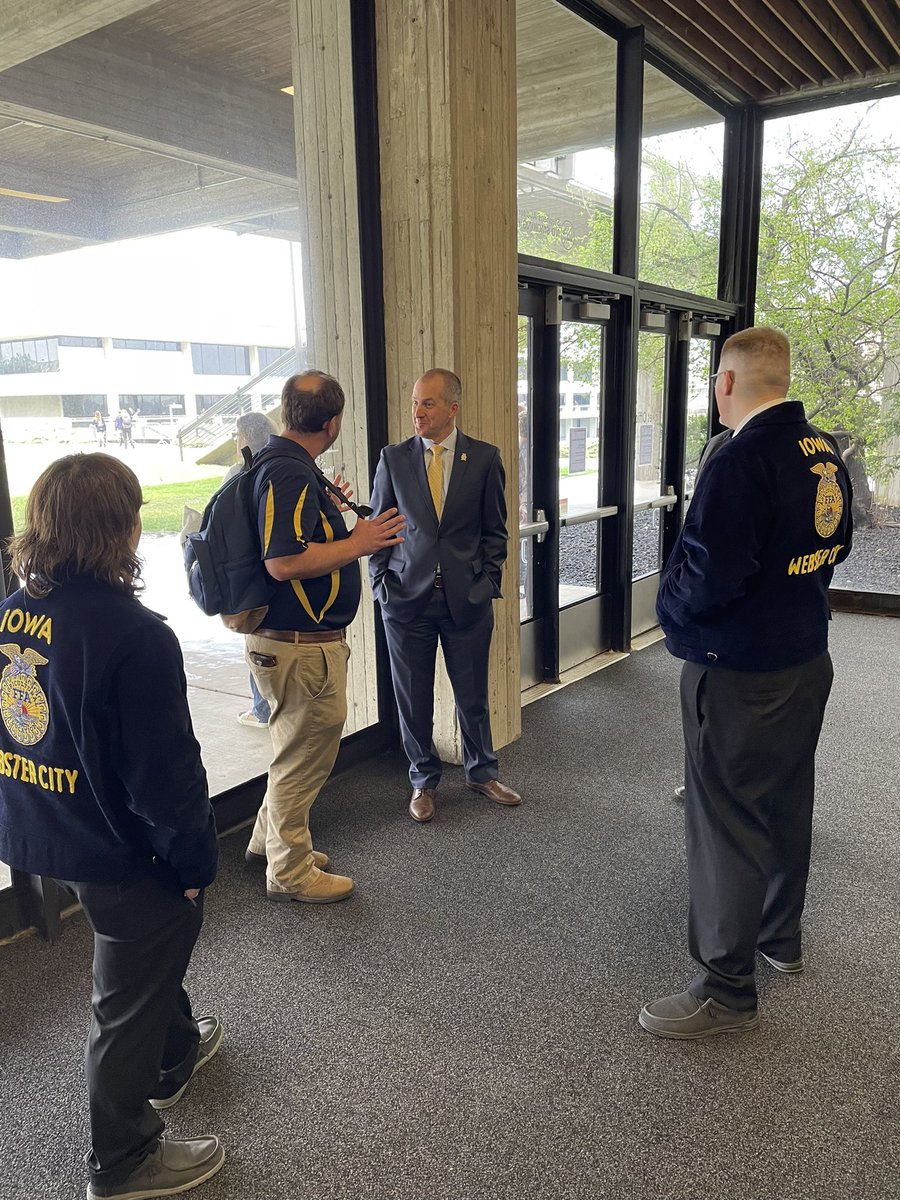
point(295, 508)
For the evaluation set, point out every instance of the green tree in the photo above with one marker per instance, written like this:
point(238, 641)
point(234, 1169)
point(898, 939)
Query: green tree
point(828, 270)
point(680, 215)
point(828, 276)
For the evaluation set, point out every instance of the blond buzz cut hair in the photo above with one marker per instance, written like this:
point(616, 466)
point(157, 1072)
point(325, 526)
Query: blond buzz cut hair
point(766, 353)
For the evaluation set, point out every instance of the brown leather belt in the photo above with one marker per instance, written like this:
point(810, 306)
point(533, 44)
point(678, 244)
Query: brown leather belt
point(301, 639)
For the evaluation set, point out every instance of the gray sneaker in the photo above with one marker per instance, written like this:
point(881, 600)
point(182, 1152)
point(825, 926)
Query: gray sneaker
point(211, 1035)
point(787, 968)
point(684, 1016)
point(173, 1166)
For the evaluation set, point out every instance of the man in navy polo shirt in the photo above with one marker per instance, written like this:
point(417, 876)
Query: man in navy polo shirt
point(744, 601)
point(299, 657)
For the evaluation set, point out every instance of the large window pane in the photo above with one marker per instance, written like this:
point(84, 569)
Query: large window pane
point(579, 558)
point(698, 401)
point(193, 285)
point(651, 394)
point(828, 276)
point(581, 350)
point(566, 83)
point(524, 392)
point(681, 187)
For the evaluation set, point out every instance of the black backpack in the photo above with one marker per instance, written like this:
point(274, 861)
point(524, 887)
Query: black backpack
point(225, 572)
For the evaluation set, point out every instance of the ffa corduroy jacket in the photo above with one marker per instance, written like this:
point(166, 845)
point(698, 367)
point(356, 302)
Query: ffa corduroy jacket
point(100, 772)
point(746, 585)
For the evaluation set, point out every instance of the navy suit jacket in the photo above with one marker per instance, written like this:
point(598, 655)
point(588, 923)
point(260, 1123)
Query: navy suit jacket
point(468, 544)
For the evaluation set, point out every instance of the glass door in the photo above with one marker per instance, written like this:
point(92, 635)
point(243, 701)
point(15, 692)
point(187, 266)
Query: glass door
point(561, 396)
point(672, 426)
point(535, 578)
point(650, 495)
point(580, 483)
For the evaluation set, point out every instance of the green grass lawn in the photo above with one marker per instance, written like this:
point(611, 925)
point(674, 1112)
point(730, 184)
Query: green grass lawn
point(164, 501)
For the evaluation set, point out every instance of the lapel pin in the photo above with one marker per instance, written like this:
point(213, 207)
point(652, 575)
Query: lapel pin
point(464, 458)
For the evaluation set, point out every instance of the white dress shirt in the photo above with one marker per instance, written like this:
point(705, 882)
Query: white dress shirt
point(756, 412)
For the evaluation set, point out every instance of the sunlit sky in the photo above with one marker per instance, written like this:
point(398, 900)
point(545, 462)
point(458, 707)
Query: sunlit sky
point(702, 147)
point(204, 285)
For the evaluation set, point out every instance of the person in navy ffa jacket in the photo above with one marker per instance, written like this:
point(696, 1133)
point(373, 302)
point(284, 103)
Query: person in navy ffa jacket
point(102, 788)
point(440, 584)
point(743, 600)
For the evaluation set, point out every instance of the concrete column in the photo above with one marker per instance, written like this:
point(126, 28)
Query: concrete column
point(447, 116)
point(324, 128)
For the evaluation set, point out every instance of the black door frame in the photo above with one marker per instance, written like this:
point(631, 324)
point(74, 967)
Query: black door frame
point(541, 284)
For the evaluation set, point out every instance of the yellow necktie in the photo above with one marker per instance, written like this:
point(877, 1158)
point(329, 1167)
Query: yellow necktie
point(436, 479)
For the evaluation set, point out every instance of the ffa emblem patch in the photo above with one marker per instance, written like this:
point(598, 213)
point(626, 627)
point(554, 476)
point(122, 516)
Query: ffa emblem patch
point(23, 705)
point(829, 500)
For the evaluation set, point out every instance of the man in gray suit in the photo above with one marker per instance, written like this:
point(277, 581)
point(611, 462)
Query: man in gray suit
point(440, 583)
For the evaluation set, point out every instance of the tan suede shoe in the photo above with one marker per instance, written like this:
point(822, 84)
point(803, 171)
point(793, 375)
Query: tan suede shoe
point(320, 888)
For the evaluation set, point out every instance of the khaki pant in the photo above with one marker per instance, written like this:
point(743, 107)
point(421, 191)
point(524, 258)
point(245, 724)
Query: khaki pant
point(306, 690)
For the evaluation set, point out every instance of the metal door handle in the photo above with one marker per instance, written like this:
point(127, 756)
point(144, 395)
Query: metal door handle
point(538, 528)
point(595, 514)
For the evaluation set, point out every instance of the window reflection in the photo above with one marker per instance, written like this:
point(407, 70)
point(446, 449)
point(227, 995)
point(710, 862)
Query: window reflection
point(566, 82)
point(681, 187)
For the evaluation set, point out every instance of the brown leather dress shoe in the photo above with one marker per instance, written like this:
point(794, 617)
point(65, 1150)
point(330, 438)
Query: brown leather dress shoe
point(496, 791)
point(421, 806)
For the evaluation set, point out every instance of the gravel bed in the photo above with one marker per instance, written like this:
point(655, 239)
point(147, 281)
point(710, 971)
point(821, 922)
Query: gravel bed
point(874, 565)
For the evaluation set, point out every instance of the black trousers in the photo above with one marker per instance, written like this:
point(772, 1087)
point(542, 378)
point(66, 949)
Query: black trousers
point(412, 646)
point(143, 1038)
point(750, 741)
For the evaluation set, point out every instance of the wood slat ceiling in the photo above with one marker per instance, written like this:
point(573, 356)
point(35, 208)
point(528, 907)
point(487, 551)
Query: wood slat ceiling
point(769, 51)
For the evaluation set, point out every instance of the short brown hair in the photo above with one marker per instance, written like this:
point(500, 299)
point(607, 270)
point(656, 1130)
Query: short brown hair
point(306, 409)
point(79, 520)
point(451, 385)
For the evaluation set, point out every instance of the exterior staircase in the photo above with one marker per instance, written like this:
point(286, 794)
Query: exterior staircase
point(214, 427)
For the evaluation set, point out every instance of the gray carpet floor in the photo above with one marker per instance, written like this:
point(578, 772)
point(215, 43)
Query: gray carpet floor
point(465, 1027)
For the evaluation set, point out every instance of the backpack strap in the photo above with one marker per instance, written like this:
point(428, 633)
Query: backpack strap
point(267, 454)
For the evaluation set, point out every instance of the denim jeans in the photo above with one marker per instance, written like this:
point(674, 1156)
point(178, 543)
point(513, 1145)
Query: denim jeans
point(260, 707)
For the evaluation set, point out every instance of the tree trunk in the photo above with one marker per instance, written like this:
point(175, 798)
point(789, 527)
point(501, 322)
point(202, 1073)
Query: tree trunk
point(854, 455)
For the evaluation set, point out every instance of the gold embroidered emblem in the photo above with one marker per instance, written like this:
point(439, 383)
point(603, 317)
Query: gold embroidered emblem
point(23, 705)
point(829, 499)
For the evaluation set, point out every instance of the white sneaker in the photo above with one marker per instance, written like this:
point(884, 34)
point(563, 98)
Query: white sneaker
point(247, 718)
